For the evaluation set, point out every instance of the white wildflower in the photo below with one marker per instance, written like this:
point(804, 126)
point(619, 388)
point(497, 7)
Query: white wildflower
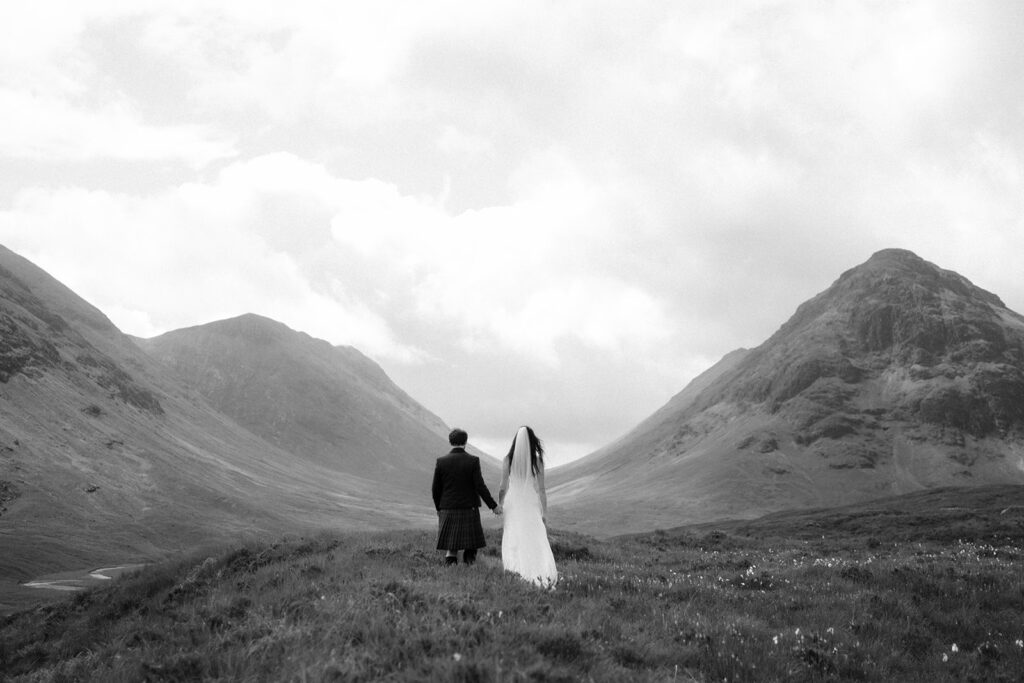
point(955, 648)
point(457, 657)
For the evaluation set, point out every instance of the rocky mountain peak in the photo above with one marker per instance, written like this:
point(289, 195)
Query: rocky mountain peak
point(910, 272)
point(900, 304)
point(946, 351)
point(899, 376)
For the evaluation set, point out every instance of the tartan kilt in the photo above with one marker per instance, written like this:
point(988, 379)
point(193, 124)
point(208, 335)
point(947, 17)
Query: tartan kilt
point(460, 529)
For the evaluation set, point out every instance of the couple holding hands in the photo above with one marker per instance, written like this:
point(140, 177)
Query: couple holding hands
point(458, 488)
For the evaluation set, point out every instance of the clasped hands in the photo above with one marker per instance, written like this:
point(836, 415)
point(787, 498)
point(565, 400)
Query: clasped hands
point(498, 509)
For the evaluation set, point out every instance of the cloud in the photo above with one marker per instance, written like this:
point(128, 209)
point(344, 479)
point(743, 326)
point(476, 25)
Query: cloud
point(254, 240)
point(516, 275)
point(60, 107)
point(188, 256)
point(455, 142)
point(570, 208)
point(51, 130)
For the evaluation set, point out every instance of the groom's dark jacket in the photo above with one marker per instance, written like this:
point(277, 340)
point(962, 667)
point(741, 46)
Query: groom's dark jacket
point(458, 482)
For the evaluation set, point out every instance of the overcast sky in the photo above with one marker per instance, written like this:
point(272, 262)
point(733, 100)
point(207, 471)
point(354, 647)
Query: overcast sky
point(554, 213)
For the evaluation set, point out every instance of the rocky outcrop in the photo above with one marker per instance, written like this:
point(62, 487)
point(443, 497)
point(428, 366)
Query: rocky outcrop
point(34, 339)
point(22, 352)
point(949, 353)
point(8, 492)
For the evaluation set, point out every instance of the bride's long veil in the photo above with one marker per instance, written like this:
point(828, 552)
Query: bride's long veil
point(521, 473)
point(525, 548)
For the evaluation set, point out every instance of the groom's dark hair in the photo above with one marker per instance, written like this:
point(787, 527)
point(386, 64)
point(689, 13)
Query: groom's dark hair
point(458, 437)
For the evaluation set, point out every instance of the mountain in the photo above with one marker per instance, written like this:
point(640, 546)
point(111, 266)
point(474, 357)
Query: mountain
point(107, 456)
point(329, 405)
point(899, 377)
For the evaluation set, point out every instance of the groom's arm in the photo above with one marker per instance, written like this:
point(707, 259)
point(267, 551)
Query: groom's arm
point(481, 487)
point(436, 487)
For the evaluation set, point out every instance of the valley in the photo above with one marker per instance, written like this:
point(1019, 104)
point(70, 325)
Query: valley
point(900, 378)
point(108, 457)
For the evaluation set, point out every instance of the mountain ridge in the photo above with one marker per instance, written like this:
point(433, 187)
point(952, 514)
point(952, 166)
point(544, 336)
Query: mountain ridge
point(107, 456)
point(328, 403)
point(900, 376)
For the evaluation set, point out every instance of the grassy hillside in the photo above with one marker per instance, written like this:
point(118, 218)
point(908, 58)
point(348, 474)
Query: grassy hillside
point(811, 599)
point(324, 404)
point(108, 457)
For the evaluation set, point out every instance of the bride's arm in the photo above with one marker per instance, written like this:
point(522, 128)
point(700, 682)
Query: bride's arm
point(504, 481)
point(542, 491)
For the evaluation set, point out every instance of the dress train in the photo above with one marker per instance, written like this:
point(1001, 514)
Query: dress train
point(524, 544)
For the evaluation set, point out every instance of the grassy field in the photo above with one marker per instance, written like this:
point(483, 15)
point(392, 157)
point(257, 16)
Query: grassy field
point(925, 588)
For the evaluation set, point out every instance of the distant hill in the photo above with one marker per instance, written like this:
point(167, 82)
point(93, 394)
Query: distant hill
point(329, 405)
point(108, 455)
point(899, 377)
point(980, 514)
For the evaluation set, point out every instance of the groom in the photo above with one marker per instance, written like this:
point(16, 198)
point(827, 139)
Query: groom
point(457, 489)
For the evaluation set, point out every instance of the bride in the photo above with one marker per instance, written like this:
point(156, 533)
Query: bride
point(524, 542)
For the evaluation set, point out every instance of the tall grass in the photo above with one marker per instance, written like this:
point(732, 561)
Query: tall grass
point(663, 607)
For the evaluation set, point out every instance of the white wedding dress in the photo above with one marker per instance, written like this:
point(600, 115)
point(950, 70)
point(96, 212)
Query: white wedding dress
point(524, 541)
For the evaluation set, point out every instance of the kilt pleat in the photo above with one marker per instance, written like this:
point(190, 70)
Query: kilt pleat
point(460, 529)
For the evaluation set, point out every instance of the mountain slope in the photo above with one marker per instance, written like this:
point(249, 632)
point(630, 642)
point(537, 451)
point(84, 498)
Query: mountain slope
point(899, 377)
point(329, 405)
point(106, 458)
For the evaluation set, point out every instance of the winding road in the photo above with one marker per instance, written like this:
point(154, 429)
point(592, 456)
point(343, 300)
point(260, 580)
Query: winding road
point(80, 580)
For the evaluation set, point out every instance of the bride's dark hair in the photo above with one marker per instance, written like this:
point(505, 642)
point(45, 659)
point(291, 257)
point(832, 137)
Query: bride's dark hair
point(536, 450)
